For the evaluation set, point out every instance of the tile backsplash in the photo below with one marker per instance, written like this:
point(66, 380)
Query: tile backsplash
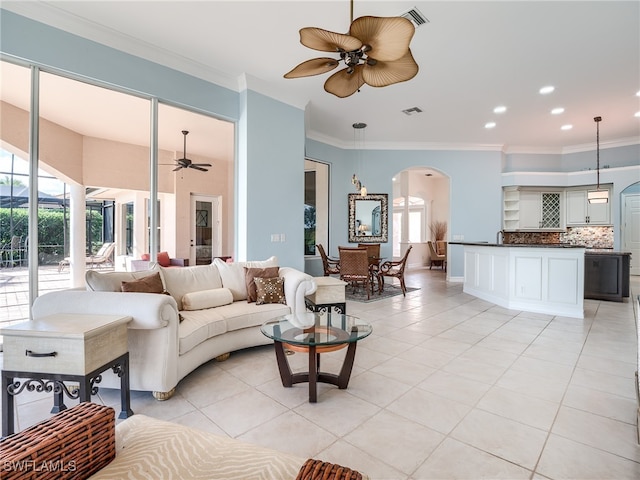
point(591, 237)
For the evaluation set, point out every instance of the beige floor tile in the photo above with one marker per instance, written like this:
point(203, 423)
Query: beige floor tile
point(565, 459)
point(474, 370)
point(438, 413)
point(531, 411)
point(507, 439)
point(343, 453)
point(614, 384)
point(402, 444)
point(290, 433)
point(403, 371)
point(601, 403)
point(376, 388)
point(603, 433)
point(242, 412)
point(455, 387)
point(454, 460)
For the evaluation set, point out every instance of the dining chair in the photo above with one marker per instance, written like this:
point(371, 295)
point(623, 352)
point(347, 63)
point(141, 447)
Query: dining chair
point(331, 266)
point(436, 258)
point(395, 270)
point(354, 268)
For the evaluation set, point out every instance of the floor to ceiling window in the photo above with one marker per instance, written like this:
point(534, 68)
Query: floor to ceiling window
point(94, 146)
point(316, 206)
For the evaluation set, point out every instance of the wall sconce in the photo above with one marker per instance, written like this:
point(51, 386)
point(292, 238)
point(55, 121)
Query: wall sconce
point(597, 195)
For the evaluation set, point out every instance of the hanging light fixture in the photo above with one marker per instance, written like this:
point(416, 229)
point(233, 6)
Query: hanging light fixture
point(597, 195)
point(354, 179)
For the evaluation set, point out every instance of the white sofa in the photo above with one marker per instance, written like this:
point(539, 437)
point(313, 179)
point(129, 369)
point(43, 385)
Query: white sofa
point(166, 341)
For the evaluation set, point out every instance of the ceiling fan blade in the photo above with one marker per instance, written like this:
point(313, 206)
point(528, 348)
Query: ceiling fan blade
point(177, 168)
point(382, 74)
point(315, 66)
point(201, 165)
point(388, 37)
point(196, 167)
point(326, 41)
point(343, 84)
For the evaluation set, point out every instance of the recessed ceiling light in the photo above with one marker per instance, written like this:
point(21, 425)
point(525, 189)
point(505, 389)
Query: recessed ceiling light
point(557, 111)
point(489, 124)
point(637, 114)
point(566, 127)
point(638, 93)
point(546, 90)
point(500, 109)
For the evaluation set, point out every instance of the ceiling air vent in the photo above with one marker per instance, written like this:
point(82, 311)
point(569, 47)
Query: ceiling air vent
point(416, 17)
point(412, 111)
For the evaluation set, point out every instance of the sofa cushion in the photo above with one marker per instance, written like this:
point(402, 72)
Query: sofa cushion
point(242, 314)
point(232, 274)
point(270, 290)
point(179, 281)
point(215, 297)
point(149, 284)
point(197, 326)
point(249, 276)
point(112, 281)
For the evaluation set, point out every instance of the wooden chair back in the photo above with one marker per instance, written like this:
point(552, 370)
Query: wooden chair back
point(330, 267)
point(354, 267)
point(373, 249)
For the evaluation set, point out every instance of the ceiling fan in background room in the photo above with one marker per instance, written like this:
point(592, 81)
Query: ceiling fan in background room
point(375, 51)
point(184, 162)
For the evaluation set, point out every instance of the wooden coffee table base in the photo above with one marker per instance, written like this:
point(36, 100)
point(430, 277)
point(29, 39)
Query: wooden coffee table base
point(314, 375)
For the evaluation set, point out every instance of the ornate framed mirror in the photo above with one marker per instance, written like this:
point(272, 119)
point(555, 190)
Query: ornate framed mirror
point(368, 218)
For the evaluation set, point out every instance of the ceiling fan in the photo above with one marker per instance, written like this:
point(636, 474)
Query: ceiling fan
point(184, 162)
point(375, 51)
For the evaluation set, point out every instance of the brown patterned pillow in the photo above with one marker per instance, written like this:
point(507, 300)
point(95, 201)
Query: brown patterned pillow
point(269, 290)
point(148, 284)
point(250, 275)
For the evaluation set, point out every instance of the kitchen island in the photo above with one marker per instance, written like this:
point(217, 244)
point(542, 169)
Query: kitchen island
point(540, 278)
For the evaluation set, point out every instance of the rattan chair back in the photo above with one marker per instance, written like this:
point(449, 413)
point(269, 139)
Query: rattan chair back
point(330, 266)
point(354, 267)
point(394, 269)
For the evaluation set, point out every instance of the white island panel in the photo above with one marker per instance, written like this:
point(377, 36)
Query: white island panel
point(547, 280)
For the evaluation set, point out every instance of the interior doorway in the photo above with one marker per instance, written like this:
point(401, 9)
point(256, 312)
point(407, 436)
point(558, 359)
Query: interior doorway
point(421, 198)
point(205, 229)
point(631, 229)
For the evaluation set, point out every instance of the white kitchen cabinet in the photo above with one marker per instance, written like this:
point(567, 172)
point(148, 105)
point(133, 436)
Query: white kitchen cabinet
point(540, 210)
point(581, 212)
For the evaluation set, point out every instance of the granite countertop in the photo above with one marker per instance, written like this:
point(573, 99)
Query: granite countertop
point(530, 245)
point(589, 251)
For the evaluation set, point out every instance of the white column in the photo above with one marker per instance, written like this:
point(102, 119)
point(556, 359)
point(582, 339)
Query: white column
point(78, 235)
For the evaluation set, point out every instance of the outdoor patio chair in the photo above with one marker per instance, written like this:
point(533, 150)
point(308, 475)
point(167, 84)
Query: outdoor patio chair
point(394, 269)
point(103, 257)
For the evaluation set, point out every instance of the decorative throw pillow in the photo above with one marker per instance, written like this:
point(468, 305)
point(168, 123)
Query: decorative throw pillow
point(232, 274)
point(216, 297)
point(149, 284)
point(163, 259)
point(112, 281)
point(250, 274)
point(269, 290)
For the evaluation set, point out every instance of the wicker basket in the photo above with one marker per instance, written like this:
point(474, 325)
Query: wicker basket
point(73, 444)
point(319, 470)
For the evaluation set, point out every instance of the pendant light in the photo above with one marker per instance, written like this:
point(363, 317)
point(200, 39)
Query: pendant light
point(354, 179)
point(597, 195)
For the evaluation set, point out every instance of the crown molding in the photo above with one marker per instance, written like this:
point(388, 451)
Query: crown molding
point(48, 14)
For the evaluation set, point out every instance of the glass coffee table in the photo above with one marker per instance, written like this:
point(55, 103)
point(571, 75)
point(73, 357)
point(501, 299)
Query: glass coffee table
point(315, 333)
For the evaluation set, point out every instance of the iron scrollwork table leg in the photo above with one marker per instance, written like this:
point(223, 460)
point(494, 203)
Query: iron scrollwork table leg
point(54, 382)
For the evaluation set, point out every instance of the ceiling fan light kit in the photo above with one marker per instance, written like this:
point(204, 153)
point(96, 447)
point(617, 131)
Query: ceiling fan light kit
point(375, 52)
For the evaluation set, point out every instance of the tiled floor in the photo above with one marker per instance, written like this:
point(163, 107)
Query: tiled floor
point(447, 387)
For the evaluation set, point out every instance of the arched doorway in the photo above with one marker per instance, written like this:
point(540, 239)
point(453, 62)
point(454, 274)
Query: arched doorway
point(421, 202)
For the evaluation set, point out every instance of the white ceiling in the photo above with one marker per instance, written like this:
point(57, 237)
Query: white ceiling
point(472, 55)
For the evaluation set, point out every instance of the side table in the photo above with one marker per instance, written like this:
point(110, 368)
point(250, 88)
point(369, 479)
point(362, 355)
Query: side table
point(329, 294)
point(42, 354)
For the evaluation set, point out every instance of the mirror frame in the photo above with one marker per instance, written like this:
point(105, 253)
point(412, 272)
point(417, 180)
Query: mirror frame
point(384, 218)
